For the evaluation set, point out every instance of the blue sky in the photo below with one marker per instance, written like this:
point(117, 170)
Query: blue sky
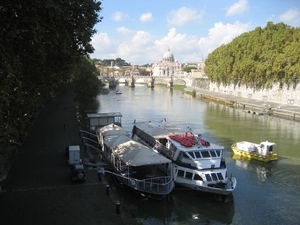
point(141, 31)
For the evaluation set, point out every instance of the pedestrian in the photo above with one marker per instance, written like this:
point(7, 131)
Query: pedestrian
point(65, 126)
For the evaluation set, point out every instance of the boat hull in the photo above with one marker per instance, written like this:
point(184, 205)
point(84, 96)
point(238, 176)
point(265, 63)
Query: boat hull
point(227, 190)
point(252, 155)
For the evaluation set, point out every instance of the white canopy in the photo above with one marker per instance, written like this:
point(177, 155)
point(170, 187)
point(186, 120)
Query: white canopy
point(111, 129)
point(157, 130)
point(132, 152)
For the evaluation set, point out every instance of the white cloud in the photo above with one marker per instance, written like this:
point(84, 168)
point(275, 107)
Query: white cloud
point(124, 30)
point(142, 48)
point(103, 45)
point(136, 49)
point(183, 16)
point(221, 34)
point(181, 45)
point(237, 8)
point(141, 38)
point(291, 16)
point(146, 17)
point(119, 16)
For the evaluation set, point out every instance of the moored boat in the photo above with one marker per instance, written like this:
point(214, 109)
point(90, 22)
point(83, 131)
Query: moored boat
point(136, 166)
point(198, 164)
point(262, 151)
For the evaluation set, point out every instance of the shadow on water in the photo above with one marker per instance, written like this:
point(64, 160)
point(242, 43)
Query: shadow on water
point(180, 207)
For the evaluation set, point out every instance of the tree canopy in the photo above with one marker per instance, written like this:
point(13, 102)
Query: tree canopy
point(40, 43)
point(189, 69)
point(258, 58)
point(117, 62)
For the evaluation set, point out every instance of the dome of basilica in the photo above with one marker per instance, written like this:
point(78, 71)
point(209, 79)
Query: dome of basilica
point(168, 56)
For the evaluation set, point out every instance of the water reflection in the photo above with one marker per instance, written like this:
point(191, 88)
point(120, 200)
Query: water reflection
point(179, 208)
point(263, 169)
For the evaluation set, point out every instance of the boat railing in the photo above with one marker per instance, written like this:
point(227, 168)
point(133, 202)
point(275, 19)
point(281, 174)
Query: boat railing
point(159, 185)
point(156, 185)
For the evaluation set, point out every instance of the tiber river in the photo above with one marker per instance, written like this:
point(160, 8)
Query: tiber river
point(266, 193)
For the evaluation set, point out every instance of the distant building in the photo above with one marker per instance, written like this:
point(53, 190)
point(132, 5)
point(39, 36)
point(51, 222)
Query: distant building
point(132, 71)
point(167, 66)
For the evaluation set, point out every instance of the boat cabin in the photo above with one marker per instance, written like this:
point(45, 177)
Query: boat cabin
point(98, 120)
point(192, 151)
point(265, 148)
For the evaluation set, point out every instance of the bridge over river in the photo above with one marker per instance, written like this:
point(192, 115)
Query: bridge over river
point(149, 80)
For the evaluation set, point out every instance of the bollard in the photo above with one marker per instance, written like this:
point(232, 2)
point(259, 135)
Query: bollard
point(99, 175)
point(107, 190)
point(118, 207)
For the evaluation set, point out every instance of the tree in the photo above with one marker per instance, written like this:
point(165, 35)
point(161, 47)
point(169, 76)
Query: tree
point(87, 85)
point(258, 58)
point(189, 69)
point(40, 41)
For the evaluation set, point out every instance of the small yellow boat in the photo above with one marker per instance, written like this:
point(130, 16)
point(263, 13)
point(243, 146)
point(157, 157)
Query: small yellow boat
point(262, 152)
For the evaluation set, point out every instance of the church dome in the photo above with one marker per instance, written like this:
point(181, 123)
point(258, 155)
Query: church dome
point(168, 56)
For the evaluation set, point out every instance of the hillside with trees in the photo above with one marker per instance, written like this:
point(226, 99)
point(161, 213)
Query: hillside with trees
point(42, 43)
point(258, 58)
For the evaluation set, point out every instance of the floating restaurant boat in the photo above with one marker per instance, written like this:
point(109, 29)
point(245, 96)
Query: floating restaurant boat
point(262, 152)
point(135, 165)
point(198, 164)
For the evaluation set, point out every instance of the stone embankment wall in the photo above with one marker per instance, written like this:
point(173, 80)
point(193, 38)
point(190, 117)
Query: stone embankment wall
point(288, 94)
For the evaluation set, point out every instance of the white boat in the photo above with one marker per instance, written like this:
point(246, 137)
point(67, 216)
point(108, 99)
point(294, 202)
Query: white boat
point(134, 164)
point(198, 165)
point(118, 91)
point(262, 151)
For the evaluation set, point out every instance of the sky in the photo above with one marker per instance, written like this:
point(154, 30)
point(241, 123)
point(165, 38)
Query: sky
point(141, 31)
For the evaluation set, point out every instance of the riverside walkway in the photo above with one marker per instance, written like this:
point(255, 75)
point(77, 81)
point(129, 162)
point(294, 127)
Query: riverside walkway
point(287, 111)
point(38, 189)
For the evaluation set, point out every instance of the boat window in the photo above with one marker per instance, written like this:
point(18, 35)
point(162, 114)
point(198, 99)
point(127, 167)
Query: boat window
point(208, 178)
point(180, 173)
point(213, 154)
point(188, 175)
point(197, 154)
point(190, 153)
point(197, 177)
point(220, 176)
point(205, 154)
point(214, 176)
point(218, 152)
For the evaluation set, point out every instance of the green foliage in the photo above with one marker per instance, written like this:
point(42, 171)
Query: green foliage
point(40, 41)
point(189, 69)
point(144, 73)
point(179, 87)
point(117, 62)
point(258, 58)
point(87, 85)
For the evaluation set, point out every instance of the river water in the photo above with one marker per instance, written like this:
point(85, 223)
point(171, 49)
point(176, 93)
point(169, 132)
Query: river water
point(266, 193)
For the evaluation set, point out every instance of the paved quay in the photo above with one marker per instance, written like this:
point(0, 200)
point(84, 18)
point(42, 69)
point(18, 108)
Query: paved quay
point(38, 189)
point(254, 106)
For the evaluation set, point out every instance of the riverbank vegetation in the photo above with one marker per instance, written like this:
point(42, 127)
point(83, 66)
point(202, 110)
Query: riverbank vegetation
point(42, 44)
point(258, 58)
